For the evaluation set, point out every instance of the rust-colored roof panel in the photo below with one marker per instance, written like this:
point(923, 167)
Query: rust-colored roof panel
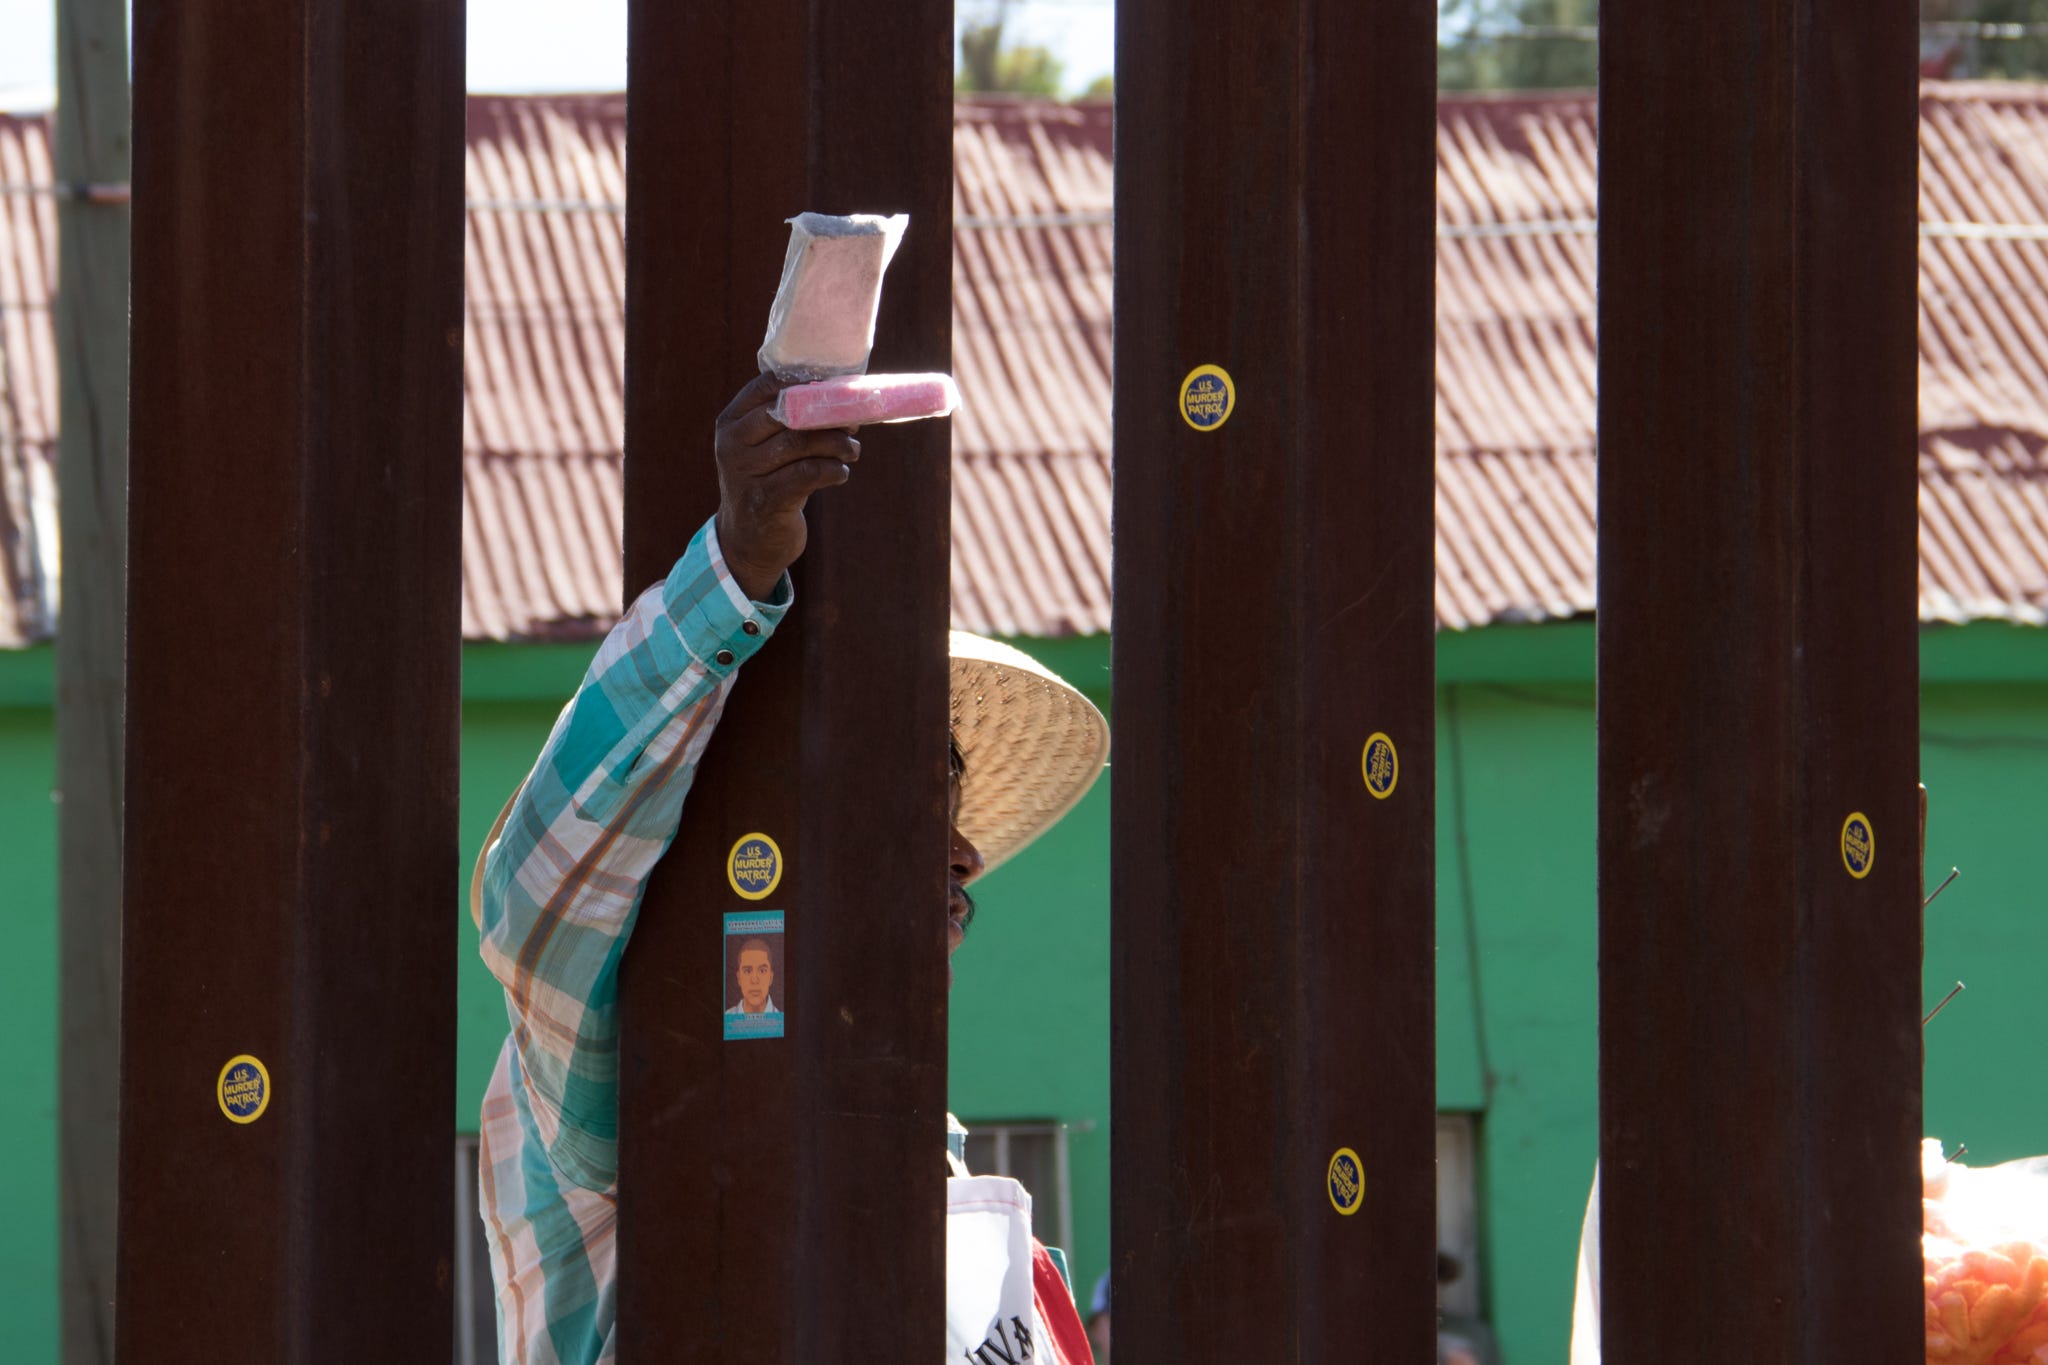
point(1516, 354)
point(1984, 526)
point(28, 385)
point(543, 376)
point(1031, 348)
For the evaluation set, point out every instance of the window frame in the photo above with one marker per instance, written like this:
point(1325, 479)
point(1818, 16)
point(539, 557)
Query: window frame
point(1001, 1131)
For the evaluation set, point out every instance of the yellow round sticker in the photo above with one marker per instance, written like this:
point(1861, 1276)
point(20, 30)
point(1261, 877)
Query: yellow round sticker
point(1381, 764)
point(1207, 397)
point(1859, 845)
point(243, 1089)
point(1346, 1181)
point(754, 867)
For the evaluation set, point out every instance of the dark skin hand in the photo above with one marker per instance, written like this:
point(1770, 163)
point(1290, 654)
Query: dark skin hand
point(766, 473)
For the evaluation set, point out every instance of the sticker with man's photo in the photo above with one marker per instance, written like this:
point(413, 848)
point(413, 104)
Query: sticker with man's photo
point(754, 983)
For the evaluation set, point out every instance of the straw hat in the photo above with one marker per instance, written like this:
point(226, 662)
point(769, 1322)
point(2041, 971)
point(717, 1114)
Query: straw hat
point(1033, 746)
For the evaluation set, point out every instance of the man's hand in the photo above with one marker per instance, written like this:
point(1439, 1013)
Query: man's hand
point(766, 473)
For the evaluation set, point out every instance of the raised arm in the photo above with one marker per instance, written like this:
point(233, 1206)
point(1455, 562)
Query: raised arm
point(562, 882)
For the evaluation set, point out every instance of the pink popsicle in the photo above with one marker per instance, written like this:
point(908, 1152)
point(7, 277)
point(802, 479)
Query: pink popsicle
point(858, 399)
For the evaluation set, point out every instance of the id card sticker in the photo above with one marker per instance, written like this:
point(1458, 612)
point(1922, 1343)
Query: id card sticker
point(755, 986)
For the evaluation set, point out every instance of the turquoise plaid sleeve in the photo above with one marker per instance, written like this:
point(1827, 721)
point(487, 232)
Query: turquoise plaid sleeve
point(562, 884)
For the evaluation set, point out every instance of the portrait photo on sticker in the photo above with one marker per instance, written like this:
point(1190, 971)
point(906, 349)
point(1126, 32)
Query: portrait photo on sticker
point(756, 993)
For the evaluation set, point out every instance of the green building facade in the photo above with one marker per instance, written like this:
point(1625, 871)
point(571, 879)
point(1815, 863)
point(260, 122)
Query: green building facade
point(1517, 1032)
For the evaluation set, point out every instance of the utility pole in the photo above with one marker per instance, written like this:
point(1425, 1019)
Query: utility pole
point(92, 482)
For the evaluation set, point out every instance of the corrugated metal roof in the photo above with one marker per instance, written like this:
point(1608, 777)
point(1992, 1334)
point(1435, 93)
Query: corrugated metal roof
point(1515, 359)
point(544, 366)
point(1515, 405)
point(1031, 348)
point(28, 385)
point(1984, 352)
point(1516, 355)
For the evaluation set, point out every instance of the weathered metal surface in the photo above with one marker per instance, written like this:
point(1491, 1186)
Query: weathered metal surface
point(1274, 923)
point(292, 679)
point(1760, 1042)
point(781, 1200)
point(92, 144)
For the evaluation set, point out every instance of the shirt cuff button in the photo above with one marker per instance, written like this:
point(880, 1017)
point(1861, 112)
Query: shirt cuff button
point(751, 627)
point(724, 658)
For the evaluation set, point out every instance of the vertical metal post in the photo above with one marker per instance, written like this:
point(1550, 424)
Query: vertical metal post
point(1759, 922)
point(92, 470)
point(288, 962)
point(1273, 868)
point(782, 1199)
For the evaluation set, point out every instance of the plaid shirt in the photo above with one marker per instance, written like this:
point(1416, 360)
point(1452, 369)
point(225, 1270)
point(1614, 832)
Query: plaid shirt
point(561, 890)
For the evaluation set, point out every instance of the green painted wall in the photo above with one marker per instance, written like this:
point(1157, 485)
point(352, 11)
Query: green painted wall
point(28, 1024)
point(1030, 1003)
point(1984, 758)
point(1516, 874)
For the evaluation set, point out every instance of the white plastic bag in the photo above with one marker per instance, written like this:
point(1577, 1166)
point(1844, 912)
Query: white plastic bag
point(1985, 1241)
point(1586, 1303)
point(988, 1270)
point(822, 322)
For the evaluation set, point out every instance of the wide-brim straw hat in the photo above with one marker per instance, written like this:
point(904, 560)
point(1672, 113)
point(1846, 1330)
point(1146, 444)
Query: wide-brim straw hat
point(1032, 745)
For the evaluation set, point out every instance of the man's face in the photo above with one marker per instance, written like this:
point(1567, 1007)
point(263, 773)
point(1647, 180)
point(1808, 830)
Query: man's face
point(964, 865)
point(756, 976)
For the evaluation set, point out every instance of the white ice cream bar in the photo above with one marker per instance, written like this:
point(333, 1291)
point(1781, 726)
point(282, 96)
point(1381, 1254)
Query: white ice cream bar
point(823, 321)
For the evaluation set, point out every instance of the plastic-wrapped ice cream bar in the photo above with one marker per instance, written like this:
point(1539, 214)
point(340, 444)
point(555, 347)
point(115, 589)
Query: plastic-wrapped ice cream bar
point(822, 323)
point(857, 400)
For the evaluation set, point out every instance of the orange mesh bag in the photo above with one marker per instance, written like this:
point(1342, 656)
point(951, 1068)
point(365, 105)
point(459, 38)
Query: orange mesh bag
point(1985, 1240)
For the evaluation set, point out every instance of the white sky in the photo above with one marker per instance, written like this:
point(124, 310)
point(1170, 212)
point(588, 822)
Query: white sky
point(532, 45)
